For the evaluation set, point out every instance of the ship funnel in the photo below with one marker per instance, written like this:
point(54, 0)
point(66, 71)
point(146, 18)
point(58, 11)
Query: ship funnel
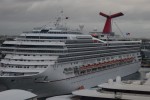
point(107, 28)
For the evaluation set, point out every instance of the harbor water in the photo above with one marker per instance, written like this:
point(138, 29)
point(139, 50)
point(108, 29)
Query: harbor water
point(140, 75)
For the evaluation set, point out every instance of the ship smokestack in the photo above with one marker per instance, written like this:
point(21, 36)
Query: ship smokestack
point(107, 28)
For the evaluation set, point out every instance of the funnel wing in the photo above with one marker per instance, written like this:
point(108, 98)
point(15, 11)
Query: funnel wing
point(116, 15)
point(104, 15)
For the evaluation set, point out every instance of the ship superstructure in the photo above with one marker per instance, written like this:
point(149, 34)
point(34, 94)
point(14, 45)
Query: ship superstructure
point(57, 61)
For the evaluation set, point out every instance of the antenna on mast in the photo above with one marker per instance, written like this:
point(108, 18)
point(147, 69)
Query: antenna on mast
point(108, 28)
point(61, 21)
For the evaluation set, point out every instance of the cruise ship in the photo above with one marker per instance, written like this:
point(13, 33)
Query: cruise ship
point(58, 60)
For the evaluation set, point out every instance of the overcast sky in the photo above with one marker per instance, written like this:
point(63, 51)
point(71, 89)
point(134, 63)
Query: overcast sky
point(23, 15)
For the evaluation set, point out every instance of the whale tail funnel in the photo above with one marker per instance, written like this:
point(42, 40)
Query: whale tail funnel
point(108, 28)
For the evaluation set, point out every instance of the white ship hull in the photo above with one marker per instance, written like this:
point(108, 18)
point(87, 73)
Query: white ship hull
point(67, 85)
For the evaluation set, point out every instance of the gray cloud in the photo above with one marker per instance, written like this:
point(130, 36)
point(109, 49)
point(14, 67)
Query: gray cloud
point(21, 15)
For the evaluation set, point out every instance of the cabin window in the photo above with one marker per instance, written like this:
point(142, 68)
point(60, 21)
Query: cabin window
point(102, 35)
